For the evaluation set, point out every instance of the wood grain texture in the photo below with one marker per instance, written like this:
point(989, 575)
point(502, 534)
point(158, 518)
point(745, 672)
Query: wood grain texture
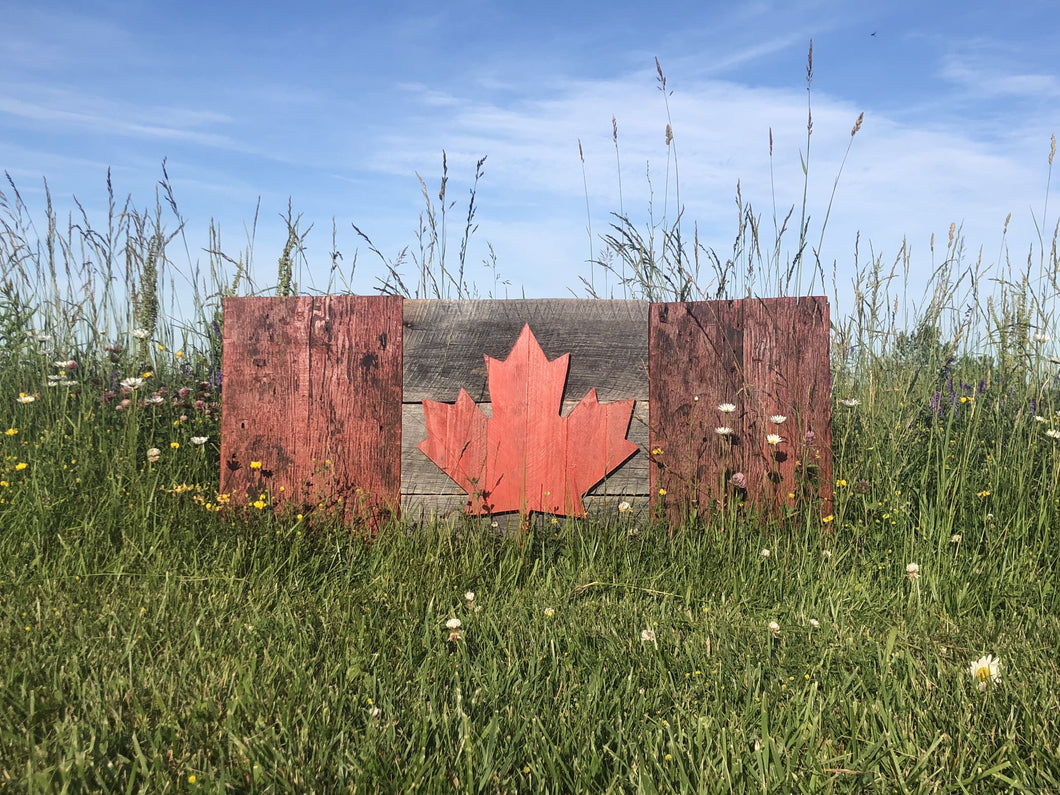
point(695, 364)
point(445, 342)
point(312, 391)
point(786, 358)
point(768, 357)
point(424, 507)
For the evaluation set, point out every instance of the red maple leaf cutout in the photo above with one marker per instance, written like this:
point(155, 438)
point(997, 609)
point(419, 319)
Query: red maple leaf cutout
point(526, 457)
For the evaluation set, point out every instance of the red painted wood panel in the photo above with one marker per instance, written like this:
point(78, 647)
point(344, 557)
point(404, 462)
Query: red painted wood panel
point(767, 358)
point(311, 414)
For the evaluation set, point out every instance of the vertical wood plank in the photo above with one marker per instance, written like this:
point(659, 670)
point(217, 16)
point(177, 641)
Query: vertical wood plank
point(769, 348)
point(813, 379)
point(695, 360)
point(355, 403)
point(264, 408)
point(312, 390)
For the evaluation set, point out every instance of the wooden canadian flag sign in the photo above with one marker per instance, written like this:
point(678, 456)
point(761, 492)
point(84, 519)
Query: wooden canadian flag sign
point(371, 407)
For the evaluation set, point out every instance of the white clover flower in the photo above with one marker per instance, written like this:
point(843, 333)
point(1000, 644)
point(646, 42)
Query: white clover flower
point(766, 553)
point(727, 408)
point(913, 571)
point(850, 402)
point(153, 454)
point(826, 554)
point(453, 625)
point(723, 430)
point(469, 596)
point(987, 670)
point(774, 438)
point(777, 419)
point(774, 628)
point(815, 624)
point(198, 441)
point(647, 635)
point(624, 507)
point(141, 333)
point(375, 712)
point(955, 538)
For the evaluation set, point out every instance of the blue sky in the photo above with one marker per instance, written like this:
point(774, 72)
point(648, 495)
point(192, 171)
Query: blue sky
point(338, 106)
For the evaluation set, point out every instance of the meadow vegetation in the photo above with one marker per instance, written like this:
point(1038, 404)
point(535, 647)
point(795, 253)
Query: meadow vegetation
point(152, 642)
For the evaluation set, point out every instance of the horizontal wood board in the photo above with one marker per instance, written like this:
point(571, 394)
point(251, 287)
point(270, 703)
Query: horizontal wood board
point(445, 342)
point(312, 394)
point(419, 507)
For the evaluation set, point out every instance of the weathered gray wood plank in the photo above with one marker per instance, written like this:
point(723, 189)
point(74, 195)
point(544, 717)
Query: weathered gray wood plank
point(420, 475)
point(424, 507)
point(446, 340)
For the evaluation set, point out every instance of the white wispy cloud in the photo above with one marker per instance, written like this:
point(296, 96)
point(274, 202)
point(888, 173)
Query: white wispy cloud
point(78, 113)
point(901, 184)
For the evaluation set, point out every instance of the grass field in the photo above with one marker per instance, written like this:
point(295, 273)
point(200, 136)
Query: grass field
point(151, 643)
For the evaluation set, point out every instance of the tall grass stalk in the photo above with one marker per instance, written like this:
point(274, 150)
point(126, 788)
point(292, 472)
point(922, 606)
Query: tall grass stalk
point(657, 262)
